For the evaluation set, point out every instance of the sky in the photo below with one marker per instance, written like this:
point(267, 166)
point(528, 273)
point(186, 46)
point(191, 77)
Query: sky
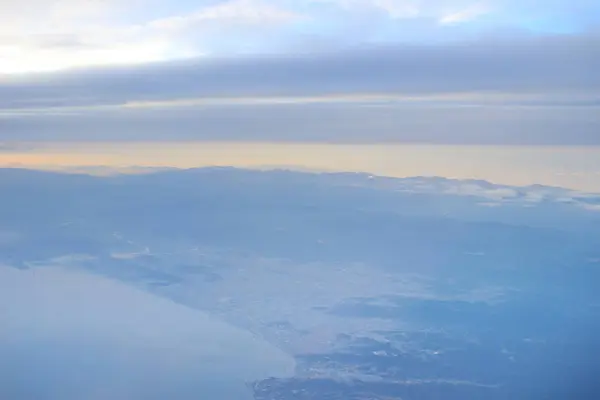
point(39, 35)
point(443, 72)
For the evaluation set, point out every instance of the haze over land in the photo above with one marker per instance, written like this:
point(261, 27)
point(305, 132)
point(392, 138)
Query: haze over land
point(220, 280)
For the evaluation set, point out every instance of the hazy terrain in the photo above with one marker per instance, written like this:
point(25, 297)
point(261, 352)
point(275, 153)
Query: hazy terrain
point(296, 286)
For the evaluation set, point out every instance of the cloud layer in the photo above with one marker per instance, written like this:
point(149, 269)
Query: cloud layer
point(542, 66)
point(37, 35)
point(419, 63)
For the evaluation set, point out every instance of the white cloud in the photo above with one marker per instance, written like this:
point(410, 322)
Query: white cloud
point(15, 59)
point(591, 207)
point(467, 14)
point(233, 11)
point(38, 35)
point(394, 8)
point(44, 15)
point(67, 33)
point(446, 11)
point(398, 9)
point(55, 34)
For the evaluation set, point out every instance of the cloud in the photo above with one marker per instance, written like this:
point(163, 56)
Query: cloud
point(467, 14)
point(376, 59)
point(393, 8)
point(56, 34)
point(530, 90)
point(322, 122)
point(544, 66)
point(398, 9)
point(9, 147)
point(52, 35)
point(243, 11)
point(109, 32)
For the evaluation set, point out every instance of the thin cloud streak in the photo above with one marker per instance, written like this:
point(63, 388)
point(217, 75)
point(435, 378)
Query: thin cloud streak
point(318, 123)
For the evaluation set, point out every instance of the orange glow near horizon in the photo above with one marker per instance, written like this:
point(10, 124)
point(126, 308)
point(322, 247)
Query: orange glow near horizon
point(572, 167)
